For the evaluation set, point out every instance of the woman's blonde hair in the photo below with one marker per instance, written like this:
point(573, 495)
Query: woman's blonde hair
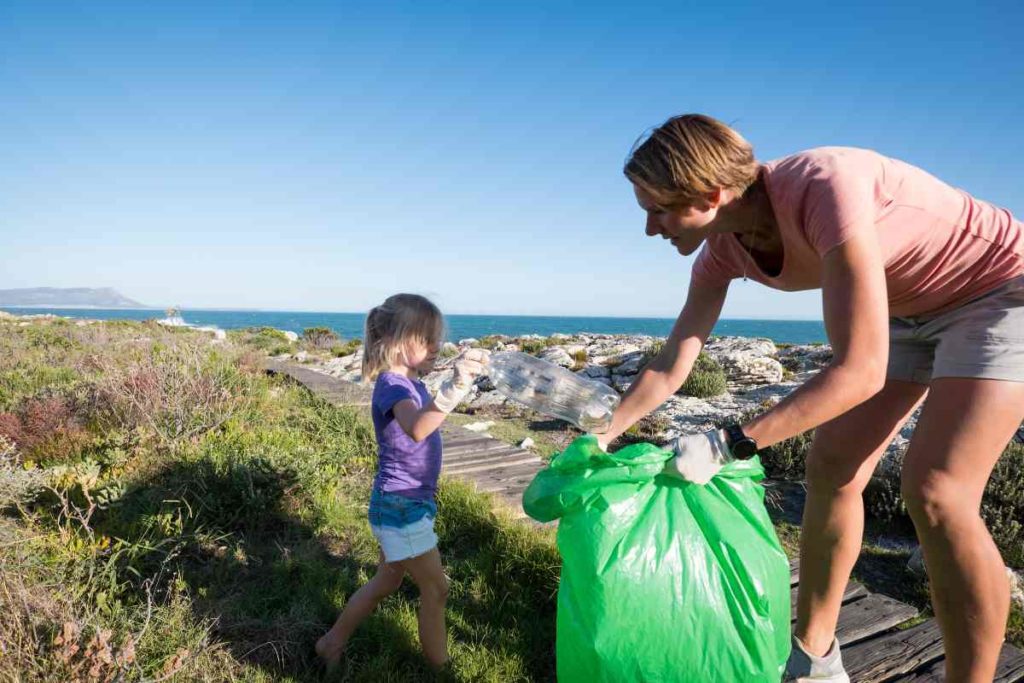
point(400, 320)
point(687, 157)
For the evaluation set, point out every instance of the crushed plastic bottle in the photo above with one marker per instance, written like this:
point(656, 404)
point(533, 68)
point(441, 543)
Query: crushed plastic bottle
point(553, 390)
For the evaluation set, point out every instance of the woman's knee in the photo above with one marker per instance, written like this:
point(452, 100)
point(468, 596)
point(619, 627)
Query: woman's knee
point(934, 498)
point(833, 470)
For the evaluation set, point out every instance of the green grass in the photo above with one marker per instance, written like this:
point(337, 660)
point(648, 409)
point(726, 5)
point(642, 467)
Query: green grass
point(213, 525)
point(223, 552)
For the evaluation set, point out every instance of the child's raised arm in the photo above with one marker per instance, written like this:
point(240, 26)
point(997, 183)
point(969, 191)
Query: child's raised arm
point(419, 423)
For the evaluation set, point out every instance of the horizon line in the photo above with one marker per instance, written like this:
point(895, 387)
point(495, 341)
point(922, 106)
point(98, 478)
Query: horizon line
point(183, 310)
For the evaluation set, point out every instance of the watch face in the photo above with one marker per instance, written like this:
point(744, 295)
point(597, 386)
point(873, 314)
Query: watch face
point(745, 449)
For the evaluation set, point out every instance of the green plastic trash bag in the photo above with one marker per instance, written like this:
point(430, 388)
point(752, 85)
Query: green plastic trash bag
point(662, 580)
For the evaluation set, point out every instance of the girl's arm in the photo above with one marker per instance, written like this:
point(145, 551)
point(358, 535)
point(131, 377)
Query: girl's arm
point(418, 423)
point(856, 315)
point(663, 376)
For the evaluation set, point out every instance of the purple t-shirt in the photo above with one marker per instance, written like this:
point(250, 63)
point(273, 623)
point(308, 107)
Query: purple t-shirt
point(404, 467)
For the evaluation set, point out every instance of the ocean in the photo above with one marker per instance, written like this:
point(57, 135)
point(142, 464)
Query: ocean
point(350, 325)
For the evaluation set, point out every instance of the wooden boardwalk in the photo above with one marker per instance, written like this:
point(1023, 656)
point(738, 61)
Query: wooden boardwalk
point(875, 648)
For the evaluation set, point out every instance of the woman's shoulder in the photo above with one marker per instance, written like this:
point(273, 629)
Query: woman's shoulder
point(825, 161)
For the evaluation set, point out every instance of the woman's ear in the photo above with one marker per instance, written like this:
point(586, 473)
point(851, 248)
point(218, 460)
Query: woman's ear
point(712, 199)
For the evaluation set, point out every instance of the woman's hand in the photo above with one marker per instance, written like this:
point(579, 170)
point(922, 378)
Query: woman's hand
point(699, 457)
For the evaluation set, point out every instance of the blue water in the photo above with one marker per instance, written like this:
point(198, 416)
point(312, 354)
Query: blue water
point(350, 325)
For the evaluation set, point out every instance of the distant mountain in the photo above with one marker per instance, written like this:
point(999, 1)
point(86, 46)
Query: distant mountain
point(69, 297)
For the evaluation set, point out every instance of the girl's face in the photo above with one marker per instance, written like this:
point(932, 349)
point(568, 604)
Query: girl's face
point(421, 357)
point(685, 227)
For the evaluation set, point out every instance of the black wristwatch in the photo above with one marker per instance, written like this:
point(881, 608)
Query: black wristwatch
point(741, 445)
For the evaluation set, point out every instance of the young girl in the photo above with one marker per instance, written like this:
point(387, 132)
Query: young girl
point(403, 336)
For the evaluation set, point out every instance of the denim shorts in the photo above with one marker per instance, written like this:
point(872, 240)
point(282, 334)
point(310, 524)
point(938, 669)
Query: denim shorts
point(403, 526)
point(983, 338)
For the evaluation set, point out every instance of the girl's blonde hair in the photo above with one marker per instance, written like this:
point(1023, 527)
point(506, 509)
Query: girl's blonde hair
point(400, 320)
point(687, 157)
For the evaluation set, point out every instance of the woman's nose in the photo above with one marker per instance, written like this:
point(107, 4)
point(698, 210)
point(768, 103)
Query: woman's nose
point(653, 228)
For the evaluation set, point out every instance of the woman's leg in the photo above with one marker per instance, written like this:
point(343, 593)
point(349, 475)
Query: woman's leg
point(427, 572)
point(360, 605)
point(843, 456)
point(964, 427)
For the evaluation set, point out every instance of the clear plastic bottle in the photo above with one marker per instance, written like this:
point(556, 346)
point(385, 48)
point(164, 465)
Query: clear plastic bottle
point(553, 390)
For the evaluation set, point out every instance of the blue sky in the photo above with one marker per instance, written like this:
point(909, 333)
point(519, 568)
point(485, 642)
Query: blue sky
point(319, 156)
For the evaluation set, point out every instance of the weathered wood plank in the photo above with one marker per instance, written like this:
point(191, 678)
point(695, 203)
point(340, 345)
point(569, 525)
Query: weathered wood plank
point(520, 482)
point(1010, 669)
point(870, 615)
point(890, 654)
point(481, 450)
point(513, 495)
point(853, 591)
point(497, 458)
point(483, 443)
point(467, 468)
point(460, 437)
point(529, 469)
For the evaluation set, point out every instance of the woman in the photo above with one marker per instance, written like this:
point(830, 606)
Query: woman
point(923, 296)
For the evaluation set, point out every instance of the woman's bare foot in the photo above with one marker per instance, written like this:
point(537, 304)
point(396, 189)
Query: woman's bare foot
point(329, 653)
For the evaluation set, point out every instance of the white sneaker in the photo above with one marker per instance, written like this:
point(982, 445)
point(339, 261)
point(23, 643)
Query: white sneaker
point(803, 667)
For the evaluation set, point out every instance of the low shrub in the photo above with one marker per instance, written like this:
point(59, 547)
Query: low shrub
point(1002, 506)
point(262, 338)
point(320, 338)
point(706, 379)
point(786, 459)
point(346, 348)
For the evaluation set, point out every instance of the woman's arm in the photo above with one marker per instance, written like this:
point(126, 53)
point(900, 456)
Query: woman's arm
point(856, 314)
point(669, 369)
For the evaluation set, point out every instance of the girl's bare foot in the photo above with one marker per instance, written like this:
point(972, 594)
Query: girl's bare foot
point(329, 654)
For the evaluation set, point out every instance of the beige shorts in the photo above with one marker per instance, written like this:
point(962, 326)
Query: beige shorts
point(984, 338)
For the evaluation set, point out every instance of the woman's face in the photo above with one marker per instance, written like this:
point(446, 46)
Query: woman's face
point(685, 227)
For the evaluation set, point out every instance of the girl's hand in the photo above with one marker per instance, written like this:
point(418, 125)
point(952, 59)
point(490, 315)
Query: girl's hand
point(470, 365)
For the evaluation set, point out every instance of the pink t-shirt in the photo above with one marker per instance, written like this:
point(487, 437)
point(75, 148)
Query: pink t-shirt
point(941, 246)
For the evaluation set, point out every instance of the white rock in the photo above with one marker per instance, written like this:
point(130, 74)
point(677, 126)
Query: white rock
point(1016, 587)
point(691, 415)
point(343, 364)
point(479, 426)
point(916, 562)
point(746, 361)
point(526, 443)
point(621, 383)
point(291, 336)
point(558, 356)
point(805, 357)
point(630, 364)
point(489, 399)
point(434, 380)
point(469, 341)
point(595, 371)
